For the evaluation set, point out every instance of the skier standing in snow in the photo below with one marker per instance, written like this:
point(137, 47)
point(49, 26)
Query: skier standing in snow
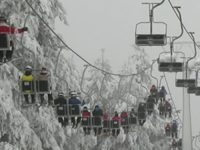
point(45, 76)
point(5, 29)
point(61, 101)
point(30, 78)
point(72, 102)
point(98, 114)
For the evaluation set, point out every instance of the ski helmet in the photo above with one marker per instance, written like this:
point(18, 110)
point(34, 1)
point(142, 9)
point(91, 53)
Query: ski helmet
point(28, 68)
point(60, 94)
point(73, 93)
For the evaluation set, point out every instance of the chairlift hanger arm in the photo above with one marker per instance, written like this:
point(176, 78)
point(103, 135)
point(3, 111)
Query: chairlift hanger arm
point(81, 86)
point(152, 75)
point(173, 39)
point(191, 33)
point(101, 91)
point(61, 48)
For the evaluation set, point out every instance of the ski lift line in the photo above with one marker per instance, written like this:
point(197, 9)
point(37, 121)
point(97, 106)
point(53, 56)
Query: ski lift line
point(171, 97)
point(182, 23)
point(115, 74)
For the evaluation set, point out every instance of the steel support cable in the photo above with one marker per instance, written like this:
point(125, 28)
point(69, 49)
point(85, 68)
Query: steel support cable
point(115, 74)
point(182, 23)
point(172, 98)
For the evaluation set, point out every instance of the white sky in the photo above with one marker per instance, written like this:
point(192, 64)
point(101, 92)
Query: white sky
point(110, 24)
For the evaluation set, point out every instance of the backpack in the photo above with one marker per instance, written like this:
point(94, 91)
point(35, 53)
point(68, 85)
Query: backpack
point(174, 125)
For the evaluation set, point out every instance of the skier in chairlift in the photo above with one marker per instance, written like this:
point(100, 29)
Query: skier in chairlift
point(45, 76)
point(6, 29)
point(28, 77)
point(163, 90)
point(74, 101)
point(61, 101)
point(98, 115)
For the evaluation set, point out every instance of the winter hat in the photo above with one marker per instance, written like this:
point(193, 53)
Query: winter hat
point(44, 70)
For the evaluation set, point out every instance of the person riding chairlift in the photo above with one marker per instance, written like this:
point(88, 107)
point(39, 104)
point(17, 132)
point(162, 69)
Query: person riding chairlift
point(5, 28)
point(45, 76)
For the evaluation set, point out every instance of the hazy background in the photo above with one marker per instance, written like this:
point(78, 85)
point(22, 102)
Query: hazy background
point(110, 24)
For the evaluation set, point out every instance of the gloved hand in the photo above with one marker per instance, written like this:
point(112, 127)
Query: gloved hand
point(24, 29)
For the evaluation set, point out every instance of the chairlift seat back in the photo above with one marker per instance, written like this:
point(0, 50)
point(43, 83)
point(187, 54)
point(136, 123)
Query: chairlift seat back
point(132, 120)
point(42, 86)
point(185, 83)
point(85, 121)
point(150, 39)
point(27, 86)
point(125, 123)
point(141, 115)
point(160, 95)
point(106, 124)
point(96, 121)
point(115, 124)
point(150, 106)
point(191, 90)
point(61, 112)
point(4, 41)
point(74, 110)
point(170, 67)
point(168, 109)
point(197, 92)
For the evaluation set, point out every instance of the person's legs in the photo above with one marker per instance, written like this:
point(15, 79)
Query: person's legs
point(33, 98)
point(73, 121)
point(26, 98)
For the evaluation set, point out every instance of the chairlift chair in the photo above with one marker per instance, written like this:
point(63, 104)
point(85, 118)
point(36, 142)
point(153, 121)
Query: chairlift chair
point(150, 38)
point(42, 86)
point(170, 67)
point(85, 121)
point(191, 90)
point(197, 92)
point(74, 110)
point(5, 39)
point(185, 82)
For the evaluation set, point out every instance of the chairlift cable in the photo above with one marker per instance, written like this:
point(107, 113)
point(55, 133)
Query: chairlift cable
point(182, 23)
point(115, 74)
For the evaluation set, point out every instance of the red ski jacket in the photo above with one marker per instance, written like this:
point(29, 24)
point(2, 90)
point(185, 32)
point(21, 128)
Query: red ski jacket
point(4, 28)
point(124, 115)
point(168, 104)
point(85, 113)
